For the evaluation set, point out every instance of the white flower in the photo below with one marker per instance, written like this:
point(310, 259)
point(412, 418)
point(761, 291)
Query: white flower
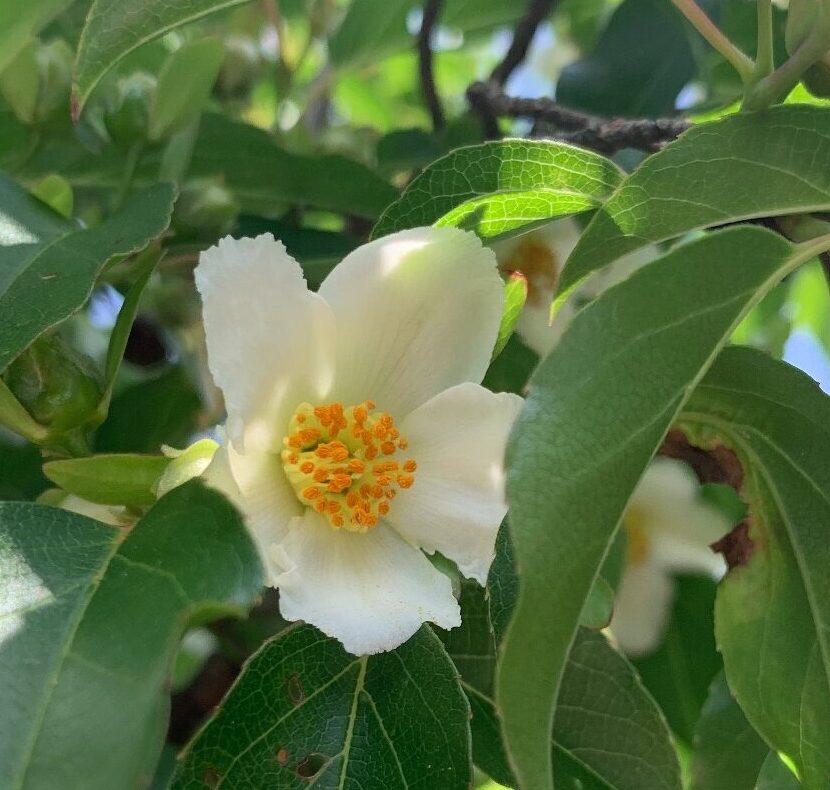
point(540, 256)
point(358, 436)
point(669, 529)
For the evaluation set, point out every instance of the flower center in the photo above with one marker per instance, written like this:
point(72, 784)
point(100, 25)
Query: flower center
point(346, 463)
point(638, 546)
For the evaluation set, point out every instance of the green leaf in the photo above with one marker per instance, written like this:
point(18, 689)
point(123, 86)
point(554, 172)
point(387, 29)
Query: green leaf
point(373, 29)
point(499, 187)
point(640, 63)
point(184, 85)
point(680, 671)
point(772, 614)
point(20, 21)
point(262, 175)
point(56, 192)
point(723, 734)
point(511, 369)
point(305, 709)
point(92, 615)
point(515, 293)
point(602, 702)
point(58, 275)
point(114, 28)
point(146, 264)
point(775, 775)
point(142, 418)
point(755, 164)
point(588, 473)
point(109, 479)
point(26, 220)
point(20, 82)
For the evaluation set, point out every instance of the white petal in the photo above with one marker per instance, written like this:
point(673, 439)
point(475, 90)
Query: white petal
point(371, 590)
point(269, 339)
point(417, 312)
point(642, 608)
point(671, 508)
point(457, 502)
point(266, 497)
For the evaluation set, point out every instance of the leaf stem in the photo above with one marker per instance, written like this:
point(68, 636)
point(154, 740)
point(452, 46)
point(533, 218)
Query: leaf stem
point(786, 76)
point(765, 55)
point(740, 61)
point(807, 250)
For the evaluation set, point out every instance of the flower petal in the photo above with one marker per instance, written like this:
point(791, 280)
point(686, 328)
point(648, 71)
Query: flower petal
point(371, 590)
point(256, 483)
point(269, 339)
point(417, 312)
point(457, 502)
point(642, 608)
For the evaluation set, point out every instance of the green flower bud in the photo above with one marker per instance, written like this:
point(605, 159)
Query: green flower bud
point(54, 62)
point(57, 385)
point(127, 118)
point(240, 68)
point(186, 464)
point(205, 208)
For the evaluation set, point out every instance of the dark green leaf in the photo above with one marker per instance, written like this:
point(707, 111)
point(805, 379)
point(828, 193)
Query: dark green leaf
point(680, 671)
point(746, 165)
point(58, 275)
point(92, 616)
point(263, 176)
point(498, 187)
point(641, 62)
point(586, 476)
point(305, 709)
point(114, 28)
point(143, 417)
point(109, 479)
point(728, 751)
point(775, 775)
point(184, 85)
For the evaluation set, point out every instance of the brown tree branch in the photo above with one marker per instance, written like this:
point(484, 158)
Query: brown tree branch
point(537, 10)
point(431, 12)
point(605, 135)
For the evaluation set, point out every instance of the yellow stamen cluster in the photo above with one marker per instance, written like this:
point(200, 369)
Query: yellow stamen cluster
point(638, 542)
point(345, 462)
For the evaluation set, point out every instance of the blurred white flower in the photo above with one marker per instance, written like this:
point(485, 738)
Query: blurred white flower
point(540, 256)
point(669, 528)
point(358, 435)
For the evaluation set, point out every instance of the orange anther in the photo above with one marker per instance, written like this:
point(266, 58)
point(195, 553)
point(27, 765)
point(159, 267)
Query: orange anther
point(405, 481)
point(320, 505)
point(383, 508)
point(371, 452)
point(377, 491)
point(388, 448)
point(337, 521)
point(409, 465)
point(312, 492)
point(356, 465)
point(306, 467)
point(391, 493)
point(352, 499)
point(403, 443)
point(320, 475)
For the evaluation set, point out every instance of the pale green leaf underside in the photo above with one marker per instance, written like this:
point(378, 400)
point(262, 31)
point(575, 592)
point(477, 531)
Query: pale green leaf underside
point(567, 495)
point(502, 186)
point(746, 165)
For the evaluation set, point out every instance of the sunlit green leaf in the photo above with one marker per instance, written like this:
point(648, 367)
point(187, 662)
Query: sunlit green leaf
point(92, 615)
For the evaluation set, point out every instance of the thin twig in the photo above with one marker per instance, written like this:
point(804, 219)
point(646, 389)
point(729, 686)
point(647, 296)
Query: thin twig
point(432, 10)
point(590, 131)
point(537, 10)
point(740, 61)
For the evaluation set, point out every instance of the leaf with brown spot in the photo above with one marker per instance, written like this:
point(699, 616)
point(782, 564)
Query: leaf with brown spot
point(772, 613)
